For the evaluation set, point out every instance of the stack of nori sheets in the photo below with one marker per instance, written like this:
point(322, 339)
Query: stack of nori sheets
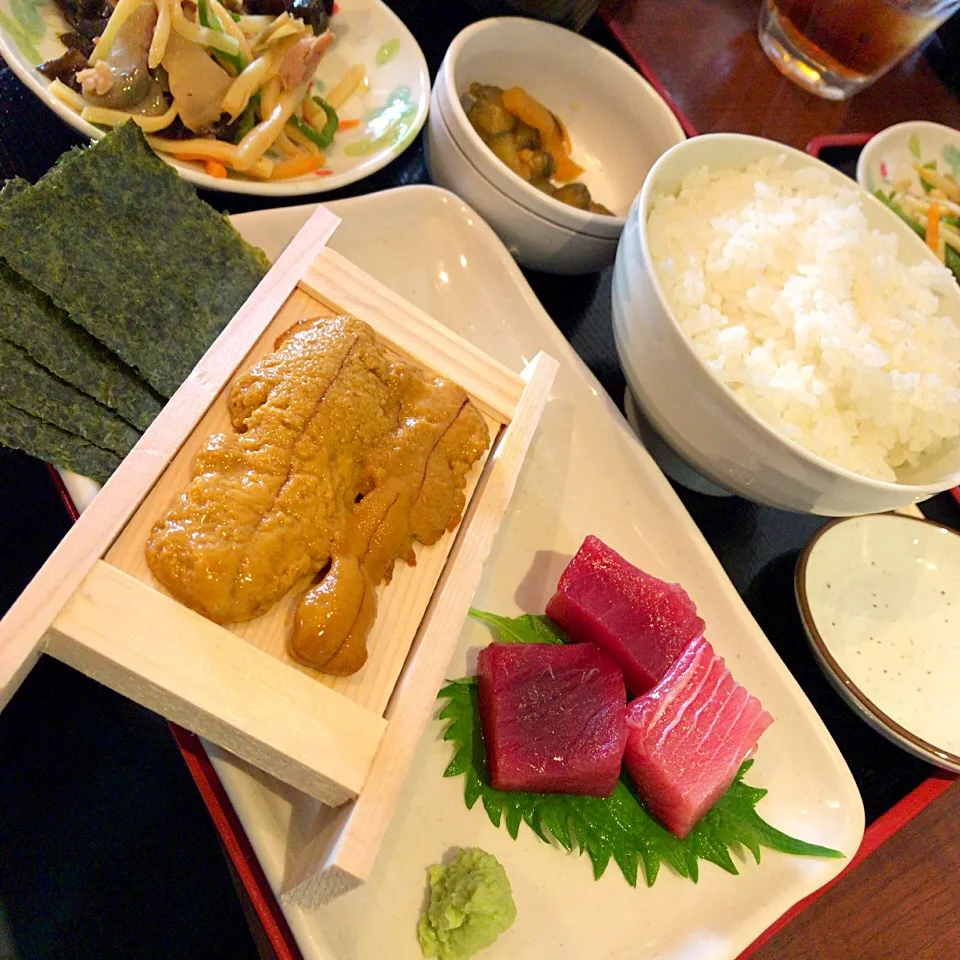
point(115, 278)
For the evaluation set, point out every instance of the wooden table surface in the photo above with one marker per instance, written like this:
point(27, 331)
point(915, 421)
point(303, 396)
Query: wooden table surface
point(706, 54)
point(901, 903)
point(903, 900)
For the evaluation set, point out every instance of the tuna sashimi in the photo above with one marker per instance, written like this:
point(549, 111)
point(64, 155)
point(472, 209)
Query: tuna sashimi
point(553, 717)
point(642, 622)
point(688, 736)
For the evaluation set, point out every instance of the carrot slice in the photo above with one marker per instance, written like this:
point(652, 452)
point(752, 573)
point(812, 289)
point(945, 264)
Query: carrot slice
point(348, 124)
point(933, 228)
point(553, 136)
point(533, 113)
point(215, 169)
point(296, 167)
point(566, 170)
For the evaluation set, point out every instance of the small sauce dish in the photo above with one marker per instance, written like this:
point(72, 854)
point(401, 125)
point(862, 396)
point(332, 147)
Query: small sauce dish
point(879, 602)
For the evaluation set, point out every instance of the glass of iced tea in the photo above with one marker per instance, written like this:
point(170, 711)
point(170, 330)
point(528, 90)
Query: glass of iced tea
point(835, 48)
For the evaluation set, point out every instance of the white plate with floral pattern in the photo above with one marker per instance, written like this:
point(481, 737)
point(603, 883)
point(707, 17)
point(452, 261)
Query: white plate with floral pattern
point(391, 108)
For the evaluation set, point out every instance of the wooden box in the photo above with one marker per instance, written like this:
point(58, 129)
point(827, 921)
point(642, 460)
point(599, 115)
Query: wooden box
point(346, 741)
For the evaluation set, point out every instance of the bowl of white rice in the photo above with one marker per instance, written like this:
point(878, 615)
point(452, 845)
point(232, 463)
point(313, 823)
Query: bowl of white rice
point(787, 335)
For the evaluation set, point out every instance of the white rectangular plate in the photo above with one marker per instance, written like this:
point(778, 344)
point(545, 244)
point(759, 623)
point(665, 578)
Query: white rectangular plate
point(585, 473)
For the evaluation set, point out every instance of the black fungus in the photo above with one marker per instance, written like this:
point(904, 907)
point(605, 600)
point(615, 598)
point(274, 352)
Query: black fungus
point(64, 68)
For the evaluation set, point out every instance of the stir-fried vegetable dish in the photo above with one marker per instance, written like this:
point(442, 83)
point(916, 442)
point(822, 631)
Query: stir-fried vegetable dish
point(933, 212)
point(531, 141)
point(225, 83)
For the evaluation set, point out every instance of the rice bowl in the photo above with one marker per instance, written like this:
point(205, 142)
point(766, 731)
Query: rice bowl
point(708, 422)
point(809, 315)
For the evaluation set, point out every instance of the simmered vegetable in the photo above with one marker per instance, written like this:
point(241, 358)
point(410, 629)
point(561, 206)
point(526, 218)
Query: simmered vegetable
point(506, 152)
point(541, 164)
point(575, 194)
point(527, 137)
point(489, 118)
point(533, 142)
point(121, 79)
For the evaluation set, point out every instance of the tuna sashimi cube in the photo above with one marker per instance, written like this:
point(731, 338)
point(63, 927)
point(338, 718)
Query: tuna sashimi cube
point(553, 717)
point(642, 622)
point(688, 736)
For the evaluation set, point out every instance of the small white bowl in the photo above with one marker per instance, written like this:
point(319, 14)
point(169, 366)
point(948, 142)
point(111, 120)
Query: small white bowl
point(889, 156)
point(531, 240)
point(691, 407)
point(617, 122)
point(879, 602)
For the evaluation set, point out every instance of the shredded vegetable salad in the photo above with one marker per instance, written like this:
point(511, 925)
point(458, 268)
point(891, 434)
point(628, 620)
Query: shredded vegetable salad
point(227, 84)
point(933, 210)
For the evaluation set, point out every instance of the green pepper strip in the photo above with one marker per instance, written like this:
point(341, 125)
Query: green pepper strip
point(209, 20)
point(247, 118)
point(315, 135)
point(952, 260)
point(333, 121)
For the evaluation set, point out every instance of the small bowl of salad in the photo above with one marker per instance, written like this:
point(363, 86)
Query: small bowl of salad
point(914, 168)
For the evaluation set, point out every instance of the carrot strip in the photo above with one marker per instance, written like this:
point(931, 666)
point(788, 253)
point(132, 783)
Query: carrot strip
point(325, 172)
point(553, 137)
point(215, 169)
point(349, 124)
point(296, 167)
point(933, 227)
point(566, 170)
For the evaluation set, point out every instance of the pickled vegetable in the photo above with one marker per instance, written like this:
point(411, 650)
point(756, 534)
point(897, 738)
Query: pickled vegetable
point(532, 141)
point(575, 195)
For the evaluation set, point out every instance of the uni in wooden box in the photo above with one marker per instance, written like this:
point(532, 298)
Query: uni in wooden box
point(346, 741)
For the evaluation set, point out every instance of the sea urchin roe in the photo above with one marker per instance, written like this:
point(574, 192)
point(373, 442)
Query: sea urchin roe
point(413, 482)
point(340, 457)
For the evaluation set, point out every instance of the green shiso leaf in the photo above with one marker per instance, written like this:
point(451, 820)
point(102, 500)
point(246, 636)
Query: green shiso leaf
point(529, 628)
point(116, 239)
point(35, 390)
point(47, 442)
point(617, 828)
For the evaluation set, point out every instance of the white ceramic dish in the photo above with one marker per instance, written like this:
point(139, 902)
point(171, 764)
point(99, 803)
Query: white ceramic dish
point(393, 108)
point(532, 240)
point(617, 122)
point(696, 413)
point(878, 598)
point(585, 474)
point(889, 156)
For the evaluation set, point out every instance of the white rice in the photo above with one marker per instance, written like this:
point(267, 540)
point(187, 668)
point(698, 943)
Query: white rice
point(809, 316)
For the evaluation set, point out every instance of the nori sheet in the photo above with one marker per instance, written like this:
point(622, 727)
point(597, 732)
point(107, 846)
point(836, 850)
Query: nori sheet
point(47, 442)
point(114, 237)
point(29, 319)
point(35, 390)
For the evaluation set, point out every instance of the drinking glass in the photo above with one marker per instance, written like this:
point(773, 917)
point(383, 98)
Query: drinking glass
point(835, 48)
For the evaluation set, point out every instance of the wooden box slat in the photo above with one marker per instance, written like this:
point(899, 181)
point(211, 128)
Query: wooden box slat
point(334, 280)
point(177, 663)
